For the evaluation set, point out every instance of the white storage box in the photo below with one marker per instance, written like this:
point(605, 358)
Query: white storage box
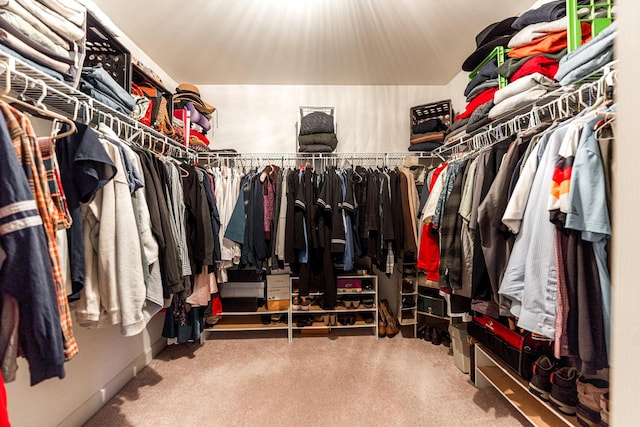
point(460, 345)
point(242, 290)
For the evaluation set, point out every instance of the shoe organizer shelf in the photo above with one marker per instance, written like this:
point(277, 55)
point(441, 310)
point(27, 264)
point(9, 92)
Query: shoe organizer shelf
point(319, 318)
point(237, 321)
point(491, 372)
point(407, 302)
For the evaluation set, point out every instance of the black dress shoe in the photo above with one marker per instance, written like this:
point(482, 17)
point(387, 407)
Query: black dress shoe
point(435, 337)
point(428, 333)
point(421, 331)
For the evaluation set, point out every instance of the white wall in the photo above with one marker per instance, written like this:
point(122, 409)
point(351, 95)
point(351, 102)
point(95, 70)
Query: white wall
point(105, 363)
point(256, 118)
point(455, 91)
point(626, 234)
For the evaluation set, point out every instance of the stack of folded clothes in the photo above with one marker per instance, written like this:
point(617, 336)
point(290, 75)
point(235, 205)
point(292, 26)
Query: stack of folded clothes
point(524, 91)
point(47, 34)
point(541, 41)
point(480, 90)
point(317, 133)
point(188, 98)
point(98, 84)
point(427, 135)
point(587, 58)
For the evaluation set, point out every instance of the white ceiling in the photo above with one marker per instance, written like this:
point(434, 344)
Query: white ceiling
point(363, 42)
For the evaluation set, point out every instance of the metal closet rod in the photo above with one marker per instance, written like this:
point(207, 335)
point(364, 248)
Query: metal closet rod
point(27, 82)
point(292, 156)
point(563, 105)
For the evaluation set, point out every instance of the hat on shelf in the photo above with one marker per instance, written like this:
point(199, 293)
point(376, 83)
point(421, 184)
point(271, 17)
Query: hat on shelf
point(496, 34)
point(188, 92)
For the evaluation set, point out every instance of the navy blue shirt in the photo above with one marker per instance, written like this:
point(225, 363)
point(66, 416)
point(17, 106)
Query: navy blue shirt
point(85, 167)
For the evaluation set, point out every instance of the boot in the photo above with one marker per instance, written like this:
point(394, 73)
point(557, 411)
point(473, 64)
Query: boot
point(392, 325)
point(382, 323)
point(435, 337)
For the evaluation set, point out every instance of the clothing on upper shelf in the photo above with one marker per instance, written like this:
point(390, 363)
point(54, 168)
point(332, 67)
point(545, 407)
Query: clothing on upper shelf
point(317, 133)
point(589, 57)
point(97, 83)
point(553, 42)
point(50, 33)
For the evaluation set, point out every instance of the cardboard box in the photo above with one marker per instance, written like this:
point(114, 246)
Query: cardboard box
point(278, 292)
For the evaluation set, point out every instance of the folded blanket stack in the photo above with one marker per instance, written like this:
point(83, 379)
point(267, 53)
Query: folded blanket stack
point(48, 34)
point(317, 133)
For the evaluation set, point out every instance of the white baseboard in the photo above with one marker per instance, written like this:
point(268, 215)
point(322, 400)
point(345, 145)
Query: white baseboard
point(85, 411)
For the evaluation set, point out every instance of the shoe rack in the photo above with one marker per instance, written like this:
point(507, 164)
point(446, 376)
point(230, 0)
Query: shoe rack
point(492, 372)
point(259, 320)
point(407, 290)
point(350, 311)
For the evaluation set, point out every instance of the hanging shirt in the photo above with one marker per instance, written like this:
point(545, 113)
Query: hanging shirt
point(85, 168)
point(26, 273)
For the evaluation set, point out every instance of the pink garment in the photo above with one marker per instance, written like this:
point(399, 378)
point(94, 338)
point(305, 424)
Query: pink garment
point(204, 284)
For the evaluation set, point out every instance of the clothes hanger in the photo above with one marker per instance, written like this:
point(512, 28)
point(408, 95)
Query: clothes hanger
point(40, 109)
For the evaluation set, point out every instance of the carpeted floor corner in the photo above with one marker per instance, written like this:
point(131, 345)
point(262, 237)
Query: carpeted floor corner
point(255, 379)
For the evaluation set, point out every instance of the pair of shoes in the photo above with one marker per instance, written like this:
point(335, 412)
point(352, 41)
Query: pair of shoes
point(555, 385)
point(367, 302)
point(590, 395)
point(367, 317)
point(391, 329)
point(564, 390)
point(302, 321)
point(305, 304)
point(295, 302)
point(604, 410)
point(348, 319)
point(351, 301)
point(329, 319)
point(408, 302)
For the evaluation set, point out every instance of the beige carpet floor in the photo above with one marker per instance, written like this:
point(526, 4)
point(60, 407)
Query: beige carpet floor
point(314, 381)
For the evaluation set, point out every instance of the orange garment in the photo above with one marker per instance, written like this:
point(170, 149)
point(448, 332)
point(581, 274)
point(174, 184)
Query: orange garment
point(554, 42)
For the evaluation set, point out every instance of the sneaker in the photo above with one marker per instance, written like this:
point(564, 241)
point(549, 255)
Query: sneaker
point(367, 302)
point(305, 304)
point(295, 303)
point(590, 391)
point(564, 392)
point(540, 383)
point(604, 410)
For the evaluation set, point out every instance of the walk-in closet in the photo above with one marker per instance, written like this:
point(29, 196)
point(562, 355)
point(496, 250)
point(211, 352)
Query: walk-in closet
point(318, 212)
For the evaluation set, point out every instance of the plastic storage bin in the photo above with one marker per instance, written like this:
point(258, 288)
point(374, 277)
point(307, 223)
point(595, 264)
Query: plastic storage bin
point(460, 345)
